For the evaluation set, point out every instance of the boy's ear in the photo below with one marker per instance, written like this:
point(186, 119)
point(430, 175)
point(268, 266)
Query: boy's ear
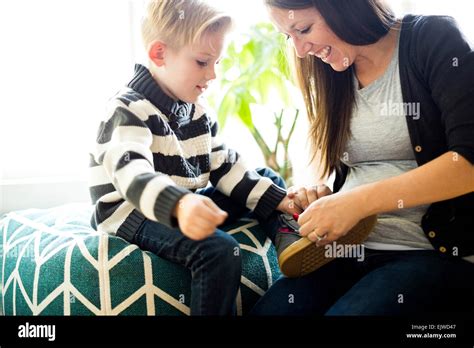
point(156, 53)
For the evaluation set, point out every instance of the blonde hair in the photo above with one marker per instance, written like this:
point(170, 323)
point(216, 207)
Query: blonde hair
point(178, 23)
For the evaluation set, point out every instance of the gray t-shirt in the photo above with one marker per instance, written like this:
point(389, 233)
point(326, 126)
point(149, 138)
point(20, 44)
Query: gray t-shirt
point(380, 148)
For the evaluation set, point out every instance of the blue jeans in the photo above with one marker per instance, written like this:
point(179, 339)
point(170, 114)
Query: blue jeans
point(215, 262)
point(384, 283)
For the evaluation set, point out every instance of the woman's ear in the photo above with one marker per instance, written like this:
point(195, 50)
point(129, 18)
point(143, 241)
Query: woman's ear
point(156, 53)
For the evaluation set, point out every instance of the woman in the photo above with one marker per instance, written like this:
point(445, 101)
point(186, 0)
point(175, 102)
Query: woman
point(391, 110)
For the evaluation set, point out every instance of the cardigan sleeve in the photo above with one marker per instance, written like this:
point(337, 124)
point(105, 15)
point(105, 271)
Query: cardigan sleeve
point(447, 64)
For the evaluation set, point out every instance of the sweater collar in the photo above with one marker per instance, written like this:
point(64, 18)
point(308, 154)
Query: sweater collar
point(178, 112)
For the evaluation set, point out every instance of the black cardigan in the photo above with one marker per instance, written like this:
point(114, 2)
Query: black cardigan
point(437, 71)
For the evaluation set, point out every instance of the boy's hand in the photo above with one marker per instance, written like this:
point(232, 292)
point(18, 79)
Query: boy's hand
point(304, 196)
point(287, 205)
point(198, 216)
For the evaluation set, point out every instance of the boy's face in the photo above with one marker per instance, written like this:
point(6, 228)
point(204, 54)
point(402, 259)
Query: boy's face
point(187, 72)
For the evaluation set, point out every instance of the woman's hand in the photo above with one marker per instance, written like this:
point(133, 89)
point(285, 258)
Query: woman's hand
point(299, 198)
point(304, 196)
point(332, 217)
point(288, 206)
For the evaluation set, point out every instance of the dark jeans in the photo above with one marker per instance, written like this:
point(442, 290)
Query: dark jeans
point(215, 262)
point(384, 283)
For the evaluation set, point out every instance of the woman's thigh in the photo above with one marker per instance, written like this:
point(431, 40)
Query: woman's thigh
point(413, 282)
point(312, 294)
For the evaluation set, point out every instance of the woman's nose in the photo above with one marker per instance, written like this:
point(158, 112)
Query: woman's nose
point(302, 48)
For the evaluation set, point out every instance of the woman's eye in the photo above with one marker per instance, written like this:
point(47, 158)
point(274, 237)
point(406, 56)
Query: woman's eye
point(200, 63)
point(305, 31)
point(287, 36)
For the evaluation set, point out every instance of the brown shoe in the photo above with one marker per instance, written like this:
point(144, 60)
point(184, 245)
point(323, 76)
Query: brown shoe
point(302, 256)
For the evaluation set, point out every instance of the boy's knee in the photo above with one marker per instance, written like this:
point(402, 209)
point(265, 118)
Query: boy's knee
point(231, 249)
point(223, 248)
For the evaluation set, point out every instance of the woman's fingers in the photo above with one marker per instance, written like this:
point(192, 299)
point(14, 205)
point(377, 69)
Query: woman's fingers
point(291, 192)
point(323, 190)
point(302, 198)
point(288, 206)
point(312, 194)
point(332, 215)
point(306, 225)
point(317, 236)
point(311, 221)
point(309, 214)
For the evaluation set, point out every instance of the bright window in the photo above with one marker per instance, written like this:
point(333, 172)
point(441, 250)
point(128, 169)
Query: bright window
point(61, 61)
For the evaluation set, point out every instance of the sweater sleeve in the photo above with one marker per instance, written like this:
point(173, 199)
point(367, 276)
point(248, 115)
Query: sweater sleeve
point(231, 176)
point(447, 62)
point(124, 141)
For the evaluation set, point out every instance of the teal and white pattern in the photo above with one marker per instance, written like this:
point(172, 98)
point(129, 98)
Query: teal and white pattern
point(53, 263)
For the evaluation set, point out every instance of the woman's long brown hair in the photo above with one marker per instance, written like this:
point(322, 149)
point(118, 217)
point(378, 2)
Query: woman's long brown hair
point(329, 95)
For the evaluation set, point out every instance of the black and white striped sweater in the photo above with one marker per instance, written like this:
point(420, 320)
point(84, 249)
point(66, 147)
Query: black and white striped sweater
point(151, 150)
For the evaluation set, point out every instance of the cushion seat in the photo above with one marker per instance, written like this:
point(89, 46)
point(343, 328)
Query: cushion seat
point(54, 263)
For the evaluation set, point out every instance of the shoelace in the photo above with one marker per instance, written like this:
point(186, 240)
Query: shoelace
point(289, 224)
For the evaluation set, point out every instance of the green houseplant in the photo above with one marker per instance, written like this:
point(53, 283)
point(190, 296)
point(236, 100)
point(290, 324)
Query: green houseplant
point(255, 72)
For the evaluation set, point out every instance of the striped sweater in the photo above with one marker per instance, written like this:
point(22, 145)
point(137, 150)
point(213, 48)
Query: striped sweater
point(151, 150)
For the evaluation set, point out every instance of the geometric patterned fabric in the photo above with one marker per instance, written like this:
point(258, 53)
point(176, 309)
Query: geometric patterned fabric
point(53, 263)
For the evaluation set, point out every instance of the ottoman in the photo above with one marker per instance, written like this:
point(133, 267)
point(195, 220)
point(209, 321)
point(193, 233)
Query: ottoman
point(53, 263)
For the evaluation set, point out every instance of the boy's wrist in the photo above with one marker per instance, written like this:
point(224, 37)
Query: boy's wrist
point(283, 203)
point(178, 206)
point(166, 204)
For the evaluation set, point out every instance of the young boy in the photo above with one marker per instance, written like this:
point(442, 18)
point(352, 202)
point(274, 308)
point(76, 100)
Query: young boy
point(158, 149)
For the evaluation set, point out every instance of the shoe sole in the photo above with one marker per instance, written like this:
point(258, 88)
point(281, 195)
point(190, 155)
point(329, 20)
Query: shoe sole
point(304, 256)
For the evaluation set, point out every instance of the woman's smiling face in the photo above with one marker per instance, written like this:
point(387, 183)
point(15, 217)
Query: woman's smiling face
point(312, 36)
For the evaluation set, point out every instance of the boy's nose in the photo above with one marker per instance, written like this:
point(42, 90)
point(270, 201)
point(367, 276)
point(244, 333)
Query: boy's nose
point(211, 73)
